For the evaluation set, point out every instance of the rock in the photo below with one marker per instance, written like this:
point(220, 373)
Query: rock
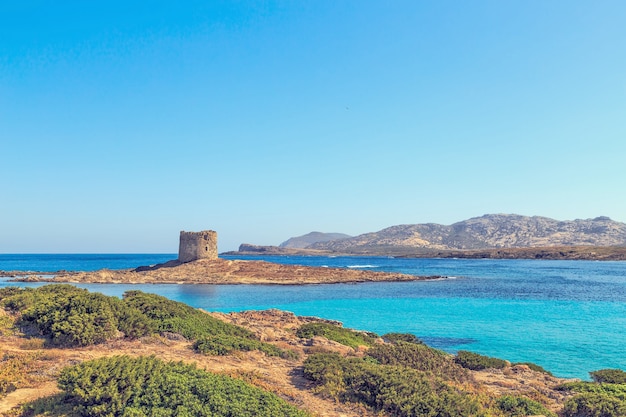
point(220, 271)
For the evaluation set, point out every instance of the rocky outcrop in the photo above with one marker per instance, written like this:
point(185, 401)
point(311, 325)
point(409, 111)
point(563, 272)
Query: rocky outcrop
point(492, 231)
point(220, 271)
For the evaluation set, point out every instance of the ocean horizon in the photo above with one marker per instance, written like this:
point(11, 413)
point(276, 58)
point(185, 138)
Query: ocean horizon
point(567, 316)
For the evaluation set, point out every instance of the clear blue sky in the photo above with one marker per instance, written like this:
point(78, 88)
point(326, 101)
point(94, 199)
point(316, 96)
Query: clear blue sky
point(124, 122)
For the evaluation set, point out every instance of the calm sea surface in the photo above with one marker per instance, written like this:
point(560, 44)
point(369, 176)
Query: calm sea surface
point(567, 316)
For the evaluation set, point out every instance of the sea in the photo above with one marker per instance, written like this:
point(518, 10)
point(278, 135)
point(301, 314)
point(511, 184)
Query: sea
point(567, 316)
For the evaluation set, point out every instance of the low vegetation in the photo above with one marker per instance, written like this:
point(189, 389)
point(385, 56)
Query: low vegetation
point(172, 316)
point(147, 386)
point(398, 390)
point(609, 376)
point(477, 362)
point(13, 371)
point(68, 316)
point(534, 367)
point(598, 398)
point(339, 334)
point(420, 357)
point(516, 406)
point(401, 337)
point(401, 377)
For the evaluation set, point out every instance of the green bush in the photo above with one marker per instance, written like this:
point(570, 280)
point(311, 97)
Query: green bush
point(609, 376)
point(593, 404)
point(173, 316)
point(397, 390)
point(595, 399)
point(613, 390)
point(6, 292)
point(534, 367)
point(6, 324)
point(420, 357)
point(401, 337)
point(69, 316)
point(147, 386)
point(339, 334)
point(477, 362)
point(515, 406)
point(73, 318)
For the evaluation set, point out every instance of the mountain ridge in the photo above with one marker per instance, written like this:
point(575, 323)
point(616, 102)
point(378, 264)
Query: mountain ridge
point(490, 231)
point(301, 242)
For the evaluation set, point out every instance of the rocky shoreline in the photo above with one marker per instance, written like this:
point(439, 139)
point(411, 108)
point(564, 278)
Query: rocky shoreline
point(586, 253)
point(218, 271)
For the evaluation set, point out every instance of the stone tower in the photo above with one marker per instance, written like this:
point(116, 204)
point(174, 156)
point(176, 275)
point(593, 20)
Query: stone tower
point(197, 245)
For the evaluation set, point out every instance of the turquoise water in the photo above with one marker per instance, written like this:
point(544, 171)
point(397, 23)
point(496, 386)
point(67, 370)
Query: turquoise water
point(567, 316)
point(49, 262)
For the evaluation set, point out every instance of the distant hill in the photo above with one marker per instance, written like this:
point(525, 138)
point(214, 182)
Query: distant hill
point(302, 242)
point(491, 231)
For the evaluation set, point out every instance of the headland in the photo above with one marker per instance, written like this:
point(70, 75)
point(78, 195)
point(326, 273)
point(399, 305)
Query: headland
point(218, 271)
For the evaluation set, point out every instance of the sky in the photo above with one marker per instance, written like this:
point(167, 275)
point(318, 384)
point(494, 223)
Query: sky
point(124, 122)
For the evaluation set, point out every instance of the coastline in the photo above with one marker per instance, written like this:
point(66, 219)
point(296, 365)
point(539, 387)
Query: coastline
point(583, 253)
point(218, 271)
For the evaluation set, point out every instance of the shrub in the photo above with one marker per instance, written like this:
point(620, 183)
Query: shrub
point(399, 391)
point(420, 357)
point(6, 292)
point(609, 376)
point(595, 399)
point(339, 334)
point(401, 337)
point(477, 362)
point(147, 386)
point(613, 390)
point(69, 316)
point(534, 367)
point(592, 404)
point(18, 370)
point(172, 316)
point(73, 318)
point(515, 406)
point(6, 323)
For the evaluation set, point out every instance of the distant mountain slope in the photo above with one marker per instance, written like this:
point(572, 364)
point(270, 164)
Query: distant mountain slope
point(488, 231)
point(302, 242)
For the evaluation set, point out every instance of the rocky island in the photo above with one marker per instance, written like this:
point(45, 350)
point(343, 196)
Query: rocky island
point(198, 263)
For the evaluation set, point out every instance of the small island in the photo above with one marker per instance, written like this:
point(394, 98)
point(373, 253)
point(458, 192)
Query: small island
point(198, 263)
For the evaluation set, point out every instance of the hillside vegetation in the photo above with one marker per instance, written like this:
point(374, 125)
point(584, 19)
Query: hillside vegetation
point(68, 316)
point(118, 357)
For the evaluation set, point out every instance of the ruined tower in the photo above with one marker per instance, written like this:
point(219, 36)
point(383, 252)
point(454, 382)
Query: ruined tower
point(197, 245)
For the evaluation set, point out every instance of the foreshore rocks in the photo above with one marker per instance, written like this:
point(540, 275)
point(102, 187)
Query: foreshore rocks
point(221, 271)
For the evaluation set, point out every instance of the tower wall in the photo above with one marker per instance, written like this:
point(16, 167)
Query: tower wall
point(197, 245)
